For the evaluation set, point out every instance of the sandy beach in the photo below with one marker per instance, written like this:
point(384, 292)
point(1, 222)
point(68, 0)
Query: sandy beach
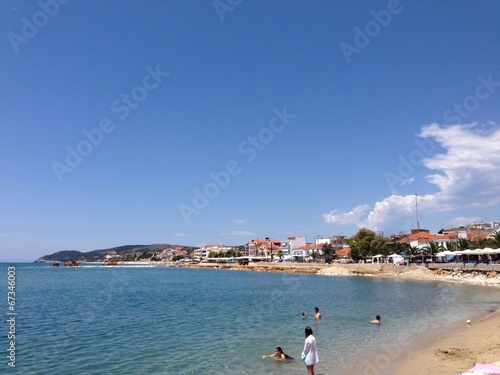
point(449, 352)
point(478, 342)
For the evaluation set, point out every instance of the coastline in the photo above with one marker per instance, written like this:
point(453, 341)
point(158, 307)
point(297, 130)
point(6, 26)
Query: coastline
point(457, 351)
point(410, 273)
point(449, 350)
point(453, 350)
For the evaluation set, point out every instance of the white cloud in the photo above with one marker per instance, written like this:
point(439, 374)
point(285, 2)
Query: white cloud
point(407, 181)
point(351, 217)
point(239, 221)
point(462, 220)
point(466, 173)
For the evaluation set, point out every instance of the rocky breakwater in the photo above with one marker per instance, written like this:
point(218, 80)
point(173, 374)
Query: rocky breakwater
point(305, 268)
point(472, 277)
point(417, 273)
point(490, 278)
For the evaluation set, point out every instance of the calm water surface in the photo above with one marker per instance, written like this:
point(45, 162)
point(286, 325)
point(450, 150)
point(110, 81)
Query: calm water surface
point(97, 320)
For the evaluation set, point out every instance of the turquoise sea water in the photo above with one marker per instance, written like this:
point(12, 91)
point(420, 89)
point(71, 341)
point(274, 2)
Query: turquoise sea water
point(123, 320)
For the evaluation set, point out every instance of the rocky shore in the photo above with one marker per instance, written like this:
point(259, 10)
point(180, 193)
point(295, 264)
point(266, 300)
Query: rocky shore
point(421, 273)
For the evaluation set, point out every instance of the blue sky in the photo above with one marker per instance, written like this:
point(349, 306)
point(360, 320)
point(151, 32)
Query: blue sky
point(195, 122)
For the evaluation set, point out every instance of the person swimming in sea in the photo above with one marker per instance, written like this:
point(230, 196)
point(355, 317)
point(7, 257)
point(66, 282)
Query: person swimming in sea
point(377, 320)
point(317, 314)
point(279, 355)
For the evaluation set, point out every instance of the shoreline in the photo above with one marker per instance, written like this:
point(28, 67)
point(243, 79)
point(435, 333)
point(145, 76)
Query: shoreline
point(451, 350)
point(456, 351)
point(409, 273)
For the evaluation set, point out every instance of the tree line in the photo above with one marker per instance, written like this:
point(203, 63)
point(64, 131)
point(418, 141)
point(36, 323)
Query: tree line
point(366, 243)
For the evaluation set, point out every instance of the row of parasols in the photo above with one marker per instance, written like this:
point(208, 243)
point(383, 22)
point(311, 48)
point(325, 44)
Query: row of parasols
point(485, 251)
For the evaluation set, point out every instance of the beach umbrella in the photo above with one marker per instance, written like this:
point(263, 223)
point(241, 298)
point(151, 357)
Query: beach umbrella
point(467, 252)
point(446, 252)
point(396, 258)
point(478, 252)
point(451, 254)
point(487, 250)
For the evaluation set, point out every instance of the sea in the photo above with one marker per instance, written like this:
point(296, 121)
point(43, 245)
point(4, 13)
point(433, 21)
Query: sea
point(159, 320)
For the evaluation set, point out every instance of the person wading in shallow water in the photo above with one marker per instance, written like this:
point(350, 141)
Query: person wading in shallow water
point(278, 354)
point(317, 314)
point(310, 353)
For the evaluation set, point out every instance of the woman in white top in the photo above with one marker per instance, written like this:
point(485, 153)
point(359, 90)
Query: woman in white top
point(310, 353)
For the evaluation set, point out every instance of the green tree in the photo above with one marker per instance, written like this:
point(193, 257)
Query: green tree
point(412, 252)
point(481, 243)
point(367, 243)
point(496, 239)
point(397, 247)
point(327, 252)
point(451, 246)
point(144, 255)
point(432, 248)
point(463, 244)
point(314, 255)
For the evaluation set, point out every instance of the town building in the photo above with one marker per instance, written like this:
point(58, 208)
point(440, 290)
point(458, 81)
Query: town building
point(262, 248)
point(204, 251)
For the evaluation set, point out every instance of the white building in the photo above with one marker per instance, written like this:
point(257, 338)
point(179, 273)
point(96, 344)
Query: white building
point(296, 242)
point(202, 252)
point(321, 241)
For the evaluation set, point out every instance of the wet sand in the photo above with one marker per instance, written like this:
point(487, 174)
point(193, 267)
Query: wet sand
point(478, 342)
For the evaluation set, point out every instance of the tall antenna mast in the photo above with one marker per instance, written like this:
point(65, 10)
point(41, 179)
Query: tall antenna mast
point(416, 210)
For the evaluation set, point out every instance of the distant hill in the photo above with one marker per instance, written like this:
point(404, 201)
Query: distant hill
point(98, 255)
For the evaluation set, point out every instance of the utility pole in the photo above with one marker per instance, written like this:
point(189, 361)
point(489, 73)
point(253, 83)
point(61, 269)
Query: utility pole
point(416, 210)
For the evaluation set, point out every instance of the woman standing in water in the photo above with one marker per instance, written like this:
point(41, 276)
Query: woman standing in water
point(317, 314)
point(310, 353)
